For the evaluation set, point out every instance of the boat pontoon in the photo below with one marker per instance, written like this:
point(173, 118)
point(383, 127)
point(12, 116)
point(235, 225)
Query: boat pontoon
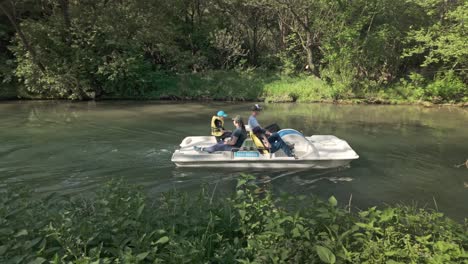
point(319, 151)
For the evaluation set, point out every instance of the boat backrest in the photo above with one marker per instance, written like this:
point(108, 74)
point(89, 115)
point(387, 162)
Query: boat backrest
point(258, 143)
point(248, 144)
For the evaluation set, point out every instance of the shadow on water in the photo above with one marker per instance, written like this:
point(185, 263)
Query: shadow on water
point(407, 153)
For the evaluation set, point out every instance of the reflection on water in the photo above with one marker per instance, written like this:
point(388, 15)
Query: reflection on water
point(407, 153)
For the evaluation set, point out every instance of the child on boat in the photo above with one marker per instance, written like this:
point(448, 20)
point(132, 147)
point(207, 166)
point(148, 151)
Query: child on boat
point(237, 139)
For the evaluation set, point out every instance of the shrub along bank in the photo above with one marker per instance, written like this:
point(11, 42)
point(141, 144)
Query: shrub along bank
point(257, 85)
point(120, 224)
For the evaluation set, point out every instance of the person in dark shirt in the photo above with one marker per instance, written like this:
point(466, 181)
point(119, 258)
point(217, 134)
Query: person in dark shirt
point(274, 142)
point(237, 138)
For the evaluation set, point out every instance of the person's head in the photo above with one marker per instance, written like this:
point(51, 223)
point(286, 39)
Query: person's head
point(258, 131)
point(256, 109)
point(238, 122)
point(221, 114)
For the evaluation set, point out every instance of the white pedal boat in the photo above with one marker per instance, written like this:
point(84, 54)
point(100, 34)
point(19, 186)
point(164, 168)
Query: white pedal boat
point(319, 151)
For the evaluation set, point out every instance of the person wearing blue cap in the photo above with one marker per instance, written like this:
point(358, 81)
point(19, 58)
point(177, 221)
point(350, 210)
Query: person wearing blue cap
point(217, 126)
point(237, 139)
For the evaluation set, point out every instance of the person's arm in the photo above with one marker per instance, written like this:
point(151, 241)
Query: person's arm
point(232, 141)
point(220, 127)
point(265, 141)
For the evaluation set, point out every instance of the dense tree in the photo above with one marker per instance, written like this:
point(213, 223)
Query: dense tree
point(84, 49)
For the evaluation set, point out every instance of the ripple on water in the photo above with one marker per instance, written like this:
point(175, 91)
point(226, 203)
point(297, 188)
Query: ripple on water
point(406, 153)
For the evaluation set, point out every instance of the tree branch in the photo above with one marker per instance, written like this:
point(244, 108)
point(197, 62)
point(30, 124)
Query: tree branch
point(23, 38)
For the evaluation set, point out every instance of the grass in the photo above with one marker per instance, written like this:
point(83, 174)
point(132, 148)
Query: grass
point(213, 85)
point(258, 85)
point(120, 224)
point(297, 89)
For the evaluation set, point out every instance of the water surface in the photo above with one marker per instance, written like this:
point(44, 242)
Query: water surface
point(407, 153)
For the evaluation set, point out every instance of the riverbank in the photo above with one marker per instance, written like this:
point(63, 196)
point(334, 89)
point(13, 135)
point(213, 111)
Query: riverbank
point(270, 87)
point(123, 224)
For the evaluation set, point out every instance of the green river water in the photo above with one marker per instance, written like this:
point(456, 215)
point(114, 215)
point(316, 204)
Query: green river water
point(407, 153)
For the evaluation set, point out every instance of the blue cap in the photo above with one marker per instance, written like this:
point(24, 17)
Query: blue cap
point(221, 113)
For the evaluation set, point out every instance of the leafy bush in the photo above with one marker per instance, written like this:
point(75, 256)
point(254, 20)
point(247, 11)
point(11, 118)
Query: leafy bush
point(410, 89)
point(446, 87)
point(102, 50)
point(120, 224)
point(340, 75)
point(219, 85)
point(297, 89)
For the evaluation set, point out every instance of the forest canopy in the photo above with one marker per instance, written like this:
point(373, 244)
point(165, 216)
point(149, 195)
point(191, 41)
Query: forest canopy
point(86, 49)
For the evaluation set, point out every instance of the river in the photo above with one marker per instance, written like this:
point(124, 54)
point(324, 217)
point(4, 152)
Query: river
point(407, 153)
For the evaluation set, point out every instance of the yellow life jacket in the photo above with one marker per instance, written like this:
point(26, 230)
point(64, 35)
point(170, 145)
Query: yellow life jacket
point(215, 131)
point(259, 143)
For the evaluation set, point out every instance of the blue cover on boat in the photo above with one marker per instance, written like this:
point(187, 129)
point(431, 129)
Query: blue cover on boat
point(246, 154)
point(285, 132)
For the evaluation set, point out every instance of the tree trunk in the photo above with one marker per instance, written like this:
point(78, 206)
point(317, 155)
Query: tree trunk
point(282, 29)
point(64, 5)
point(310, 55)
point(254, 46)
point(24, 40)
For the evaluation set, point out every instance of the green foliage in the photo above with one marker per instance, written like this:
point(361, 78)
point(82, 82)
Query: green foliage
point(297, 89)
point(447, 86)
point(8, 84)
point(443, 42)
point(218, 85)
point(101, 51)
point(120, 224)
point(119, 49)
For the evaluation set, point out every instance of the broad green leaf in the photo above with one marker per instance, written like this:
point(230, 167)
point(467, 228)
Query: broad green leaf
point(142, 256)
point(296, 233)
point(390, 253)
point(31, 243)
point(22, 232)
point(387, 215)
point(3, 249)
point(163, 240)
point(241, 182)
point(391, 261)
point(326, 255)
point(242, 214)
point(286, 218)
point(363, 225)
point(6, 231)
point(38, 261)
point(140, 210)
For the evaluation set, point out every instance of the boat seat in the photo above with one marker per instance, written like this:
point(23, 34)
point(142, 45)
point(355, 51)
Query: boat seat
point(248, 145)
point(258, 143)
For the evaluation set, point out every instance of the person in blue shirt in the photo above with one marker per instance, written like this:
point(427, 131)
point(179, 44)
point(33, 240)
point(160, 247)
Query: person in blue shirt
point(252, 122)
point(274, 139)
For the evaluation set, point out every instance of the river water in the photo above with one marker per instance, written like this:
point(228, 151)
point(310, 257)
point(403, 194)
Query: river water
point(407, 153)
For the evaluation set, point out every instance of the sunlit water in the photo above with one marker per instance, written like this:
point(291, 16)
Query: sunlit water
point(407, 153)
